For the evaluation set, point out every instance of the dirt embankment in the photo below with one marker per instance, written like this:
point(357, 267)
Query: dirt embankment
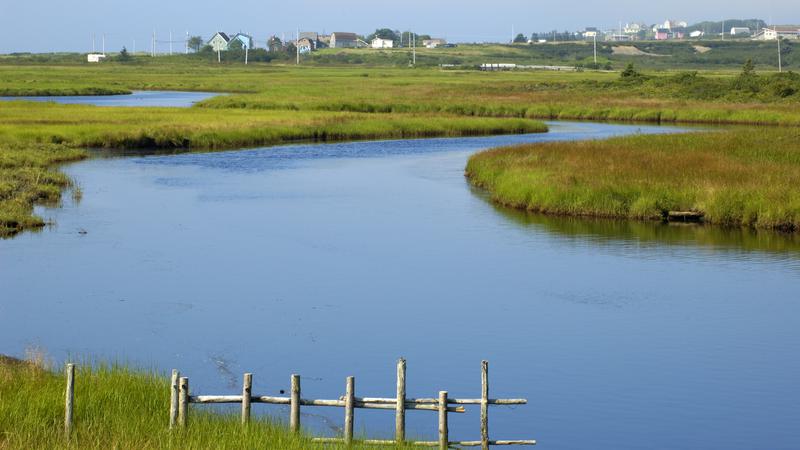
point(629, 50)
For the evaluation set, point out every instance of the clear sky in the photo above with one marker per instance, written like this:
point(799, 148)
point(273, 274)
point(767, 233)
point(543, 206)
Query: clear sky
point(67, 25)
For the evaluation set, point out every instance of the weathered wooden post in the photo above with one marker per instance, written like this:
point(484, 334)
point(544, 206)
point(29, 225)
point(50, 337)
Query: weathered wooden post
point(247, 395)
point(183, 402)
point(294, 408)
point(173, 398)
point(400, 411)
point(349, 409)
point(443, 433)
point(484, 405)
point(69, 399)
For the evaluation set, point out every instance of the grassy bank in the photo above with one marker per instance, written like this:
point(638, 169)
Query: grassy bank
point(117, 407)
point(28, 176)
point(744, 177)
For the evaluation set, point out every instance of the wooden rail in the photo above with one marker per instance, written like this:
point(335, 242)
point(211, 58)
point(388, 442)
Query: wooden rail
point(179, 393)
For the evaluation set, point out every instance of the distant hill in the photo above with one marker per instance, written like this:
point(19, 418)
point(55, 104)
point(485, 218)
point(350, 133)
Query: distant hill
point(716, 27)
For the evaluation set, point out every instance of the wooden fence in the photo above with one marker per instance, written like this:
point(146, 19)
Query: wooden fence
point(180, 399)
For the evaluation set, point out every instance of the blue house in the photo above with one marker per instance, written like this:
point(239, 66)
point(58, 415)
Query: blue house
point(245, 39)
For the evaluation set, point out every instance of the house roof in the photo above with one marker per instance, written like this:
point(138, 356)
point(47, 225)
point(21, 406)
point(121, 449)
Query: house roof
point(222, 35)
point(344, 36)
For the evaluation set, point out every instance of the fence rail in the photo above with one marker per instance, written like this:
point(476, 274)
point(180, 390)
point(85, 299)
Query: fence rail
point(180, 399)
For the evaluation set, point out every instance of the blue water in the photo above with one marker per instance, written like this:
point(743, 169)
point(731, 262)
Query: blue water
point(137, 98)
point(335, 260)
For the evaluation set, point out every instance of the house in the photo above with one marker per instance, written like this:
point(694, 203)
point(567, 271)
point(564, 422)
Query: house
point(344, 40)
point(382, 43)
point(590, 33)
point(245, 39)
point(696, 34)
point(633, 28)
point(95, 57)
point(740, 31)
point(219, 42)
point(662, 34)
point(306, 45)
point(433, 43)
point(783, 31)
point(679, 33)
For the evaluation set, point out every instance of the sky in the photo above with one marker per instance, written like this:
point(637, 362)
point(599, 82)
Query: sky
point(68, 25)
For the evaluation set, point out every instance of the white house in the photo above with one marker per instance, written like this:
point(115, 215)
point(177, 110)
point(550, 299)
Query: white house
point(696, 34)
point(219, 42)
point(382, 43)
point(740, 31)
point(95, 57)
point(784, 31)
point(433, 43)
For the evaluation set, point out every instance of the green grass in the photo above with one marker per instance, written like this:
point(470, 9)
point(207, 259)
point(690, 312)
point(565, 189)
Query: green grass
point(745, 177)
point(28, 176)
point(119, 407)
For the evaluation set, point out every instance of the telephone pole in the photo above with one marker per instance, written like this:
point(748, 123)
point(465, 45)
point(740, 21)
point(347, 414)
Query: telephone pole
point(780, 65)
point(297, 46)
point(187, 42)
point(153, 45)
point(170, 42)
point(595, 50)
point(104, 44)
point(93, 44)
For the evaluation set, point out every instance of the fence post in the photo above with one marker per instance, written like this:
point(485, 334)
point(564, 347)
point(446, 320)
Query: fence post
point(484, 405)
point(400, 411)
point(183, 402)
point(443, 433)
point(247, 393)
point(173, 398)
point(69, 399)
point(294, 413)
point(349, 405)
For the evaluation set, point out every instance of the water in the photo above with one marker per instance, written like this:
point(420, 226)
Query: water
point(137, 98)
point(334, 260)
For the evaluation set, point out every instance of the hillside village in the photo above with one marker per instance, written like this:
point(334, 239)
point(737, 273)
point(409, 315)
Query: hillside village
point(309, 41)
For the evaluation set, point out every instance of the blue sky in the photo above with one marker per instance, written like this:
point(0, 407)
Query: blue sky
point(58, 25)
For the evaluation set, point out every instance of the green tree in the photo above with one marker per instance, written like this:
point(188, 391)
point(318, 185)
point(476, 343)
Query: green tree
point(124, 56)
point(196, 43)
point(749, 69)
point(520, 39)
point(384, 33)
point(630, 73)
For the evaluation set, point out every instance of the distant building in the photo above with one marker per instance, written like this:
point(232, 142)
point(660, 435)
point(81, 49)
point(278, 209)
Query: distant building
point(783, 31)
point(696, 34)
point(219, 42)
point(633, 28)
point(95, 57)
point(382, 43)
point(344, 40)
point(245, 39)
point(740, 31)
point(590, 33)
point(305, 45)
point(662, 34)
point(433, 43)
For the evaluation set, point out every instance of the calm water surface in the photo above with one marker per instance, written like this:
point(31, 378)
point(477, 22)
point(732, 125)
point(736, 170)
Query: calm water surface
point(137, 98)
point(334, 260)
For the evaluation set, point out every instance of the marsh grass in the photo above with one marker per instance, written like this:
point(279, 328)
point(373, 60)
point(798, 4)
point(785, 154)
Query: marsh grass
point(744, 177)
point(119, 407)
point(28, 176)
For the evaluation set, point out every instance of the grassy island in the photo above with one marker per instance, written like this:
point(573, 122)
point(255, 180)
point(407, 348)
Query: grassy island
point(739, 177)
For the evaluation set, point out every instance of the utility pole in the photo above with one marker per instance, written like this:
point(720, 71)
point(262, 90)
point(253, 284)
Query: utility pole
point(595, 50)
point(297, 46)
point(104, 44)
point(170, 42)
point(723, 29)
point(134, 47)
point(780, 65)
point(94, 50)
point(187, 42)
point(414, 46)
point(153, 45)
point(246, 50)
